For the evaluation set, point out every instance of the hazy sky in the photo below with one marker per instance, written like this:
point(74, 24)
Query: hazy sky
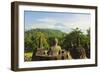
point(56, 20)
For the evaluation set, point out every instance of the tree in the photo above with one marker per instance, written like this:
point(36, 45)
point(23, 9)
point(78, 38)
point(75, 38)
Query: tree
point(75, 37)
point(88, 32)
point(28, 41)
point(36, 40)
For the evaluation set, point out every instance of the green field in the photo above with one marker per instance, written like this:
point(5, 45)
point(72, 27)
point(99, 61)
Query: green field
point(27, 56)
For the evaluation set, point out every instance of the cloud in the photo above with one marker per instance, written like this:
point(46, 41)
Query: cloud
point(46, 20)
point(40, 25)
point(65, 25)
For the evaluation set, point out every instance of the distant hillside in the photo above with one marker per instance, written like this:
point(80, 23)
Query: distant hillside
point(49, 32)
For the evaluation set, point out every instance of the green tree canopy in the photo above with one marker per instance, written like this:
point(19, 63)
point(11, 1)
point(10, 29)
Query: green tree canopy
point(36, 40)
point(75, 37)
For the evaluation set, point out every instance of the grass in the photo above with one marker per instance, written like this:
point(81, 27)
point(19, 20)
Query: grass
point(27, 56)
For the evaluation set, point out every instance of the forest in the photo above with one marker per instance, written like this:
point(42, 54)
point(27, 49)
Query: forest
point(65, 40)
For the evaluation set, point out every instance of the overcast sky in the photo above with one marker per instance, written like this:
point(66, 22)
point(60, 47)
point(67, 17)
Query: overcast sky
point(57, 20)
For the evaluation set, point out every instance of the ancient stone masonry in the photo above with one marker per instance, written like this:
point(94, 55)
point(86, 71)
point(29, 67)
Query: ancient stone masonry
point(42, 54)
